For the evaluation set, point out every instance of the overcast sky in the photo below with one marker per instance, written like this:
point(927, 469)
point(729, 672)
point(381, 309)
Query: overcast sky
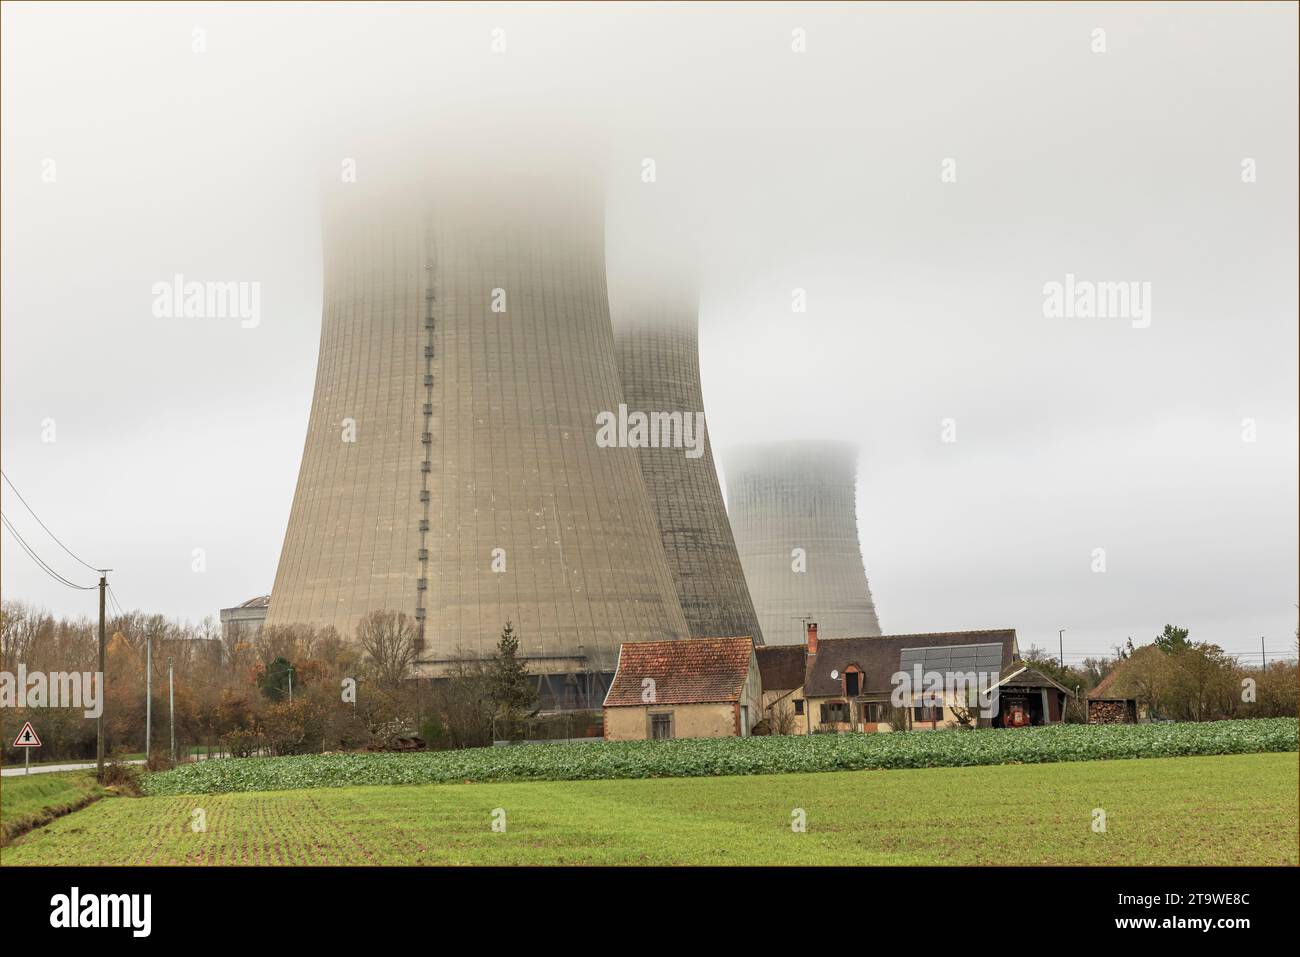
point(129, 156)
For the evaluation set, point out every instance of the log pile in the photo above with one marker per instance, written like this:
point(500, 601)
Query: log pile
point(1108, 712)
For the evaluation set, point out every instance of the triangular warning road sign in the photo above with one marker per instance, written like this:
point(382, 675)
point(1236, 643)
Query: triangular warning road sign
point(27, 737)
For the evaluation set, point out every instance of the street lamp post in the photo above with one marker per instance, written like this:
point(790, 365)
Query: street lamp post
point(148, 696)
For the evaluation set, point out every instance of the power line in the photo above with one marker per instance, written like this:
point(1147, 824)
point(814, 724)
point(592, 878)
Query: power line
point(44, 526)
point(40, 562)
point(113, 598)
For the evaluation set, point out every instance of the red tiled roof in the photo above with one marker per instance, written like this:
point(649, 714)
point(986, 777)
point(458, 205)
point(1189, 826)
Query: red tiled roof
point(685, 671)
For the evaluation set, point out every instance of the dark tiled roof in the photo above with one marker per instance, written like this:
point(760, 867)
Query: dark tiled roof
point(782, 666)
point(686, 671)
point(1023, 676)
point(879, 657)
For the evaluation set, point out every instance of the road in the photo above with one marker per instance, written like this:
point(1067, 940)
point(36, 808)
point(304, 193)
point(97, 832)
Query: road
point(18, 770)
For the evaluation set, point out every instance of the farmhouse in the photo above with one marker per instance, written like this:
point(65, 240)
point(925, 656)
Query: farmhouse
point(719, 687)
point(698, 688)
point(849, 683)
point(781, 668)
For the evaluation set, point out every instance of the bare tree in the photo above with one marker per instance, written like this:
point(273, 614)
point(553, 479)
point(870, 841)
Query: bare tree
point(279, 641)
point(463, 698)
point(780, 717)
point(387, 640)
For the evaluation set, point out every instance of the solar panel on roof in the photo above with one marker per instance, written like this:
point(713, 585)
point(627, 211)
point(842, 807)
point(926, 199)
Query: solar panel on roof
point(950, 658)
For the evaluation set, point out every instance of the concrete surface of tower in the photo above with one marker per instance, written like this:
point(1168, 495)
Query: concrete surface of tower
point(656, 331)
point(794, 513)
point(450, 469)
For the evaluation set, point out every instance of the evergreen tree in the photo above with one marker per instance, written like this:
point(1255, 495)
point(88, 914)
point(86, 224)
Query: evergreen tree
point(1172, 640)
point(274, 679)
point(512, 692)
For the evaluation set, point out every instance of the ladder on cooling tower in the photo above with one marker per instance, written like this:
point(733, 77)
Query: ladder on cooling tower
point(426, 436)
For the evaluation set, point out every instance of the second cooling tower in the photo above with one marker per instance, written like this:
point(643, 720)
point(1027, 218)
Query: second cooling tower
point(658, 358)
point(794, 514)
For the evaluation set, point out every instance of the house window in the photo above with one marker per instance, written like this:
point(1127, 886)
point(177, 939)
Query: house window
point(928, 713)
point(661, 725)
point(798, 706)
point(851, 684)
point(835, 712)
point(873, 712)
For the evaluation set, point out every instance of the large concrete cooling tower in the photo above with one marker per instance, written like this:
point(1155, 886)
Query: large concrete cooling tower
point(658, 357)
point(793, 509)
point(451, 469)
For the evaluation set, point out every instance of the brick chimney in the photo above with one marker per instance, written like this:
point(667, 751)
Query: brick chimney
point(812, 638)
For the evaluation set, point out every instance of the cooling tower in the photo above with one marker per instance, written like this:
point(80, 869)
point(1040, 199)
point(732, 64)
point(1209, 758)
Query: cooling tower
point(451, 469)
point(658, 358)
point(793, 509)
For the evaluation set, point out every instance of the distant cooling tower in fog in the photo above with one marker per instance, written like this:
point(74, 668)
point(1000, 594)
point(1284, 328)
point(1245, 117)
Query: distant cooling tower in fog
point(451, 470)
point(793, 506)
point(658, 358)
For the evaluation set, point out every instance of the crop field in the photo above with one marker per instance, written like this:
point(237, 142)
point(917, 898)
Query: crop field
point(1234, 809)
point(732, 756)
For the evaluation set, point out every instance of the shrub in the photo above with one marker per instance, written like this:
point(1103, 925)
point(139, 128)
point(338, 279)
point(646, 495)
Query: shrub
point(897, 718)
point(159, 761)
point(296, 727)
point(345, 731)
point(121, 776)
point(242, 743)
point(434, 733)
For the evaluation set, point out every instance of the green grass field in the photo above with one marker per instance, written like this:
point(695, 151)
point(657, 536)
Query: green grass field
point(1230, 809)
point(26, 801)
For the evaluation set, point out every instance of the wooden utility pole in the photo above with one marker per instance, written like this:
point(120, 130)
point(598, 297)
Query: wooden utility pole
point(103, 696)
point(148, 696)
point(171, 707)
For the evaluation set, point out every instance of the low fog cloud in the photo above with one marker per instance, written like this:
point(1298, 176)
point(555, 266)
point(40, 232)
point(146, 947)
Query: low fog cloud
point(866, 201)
